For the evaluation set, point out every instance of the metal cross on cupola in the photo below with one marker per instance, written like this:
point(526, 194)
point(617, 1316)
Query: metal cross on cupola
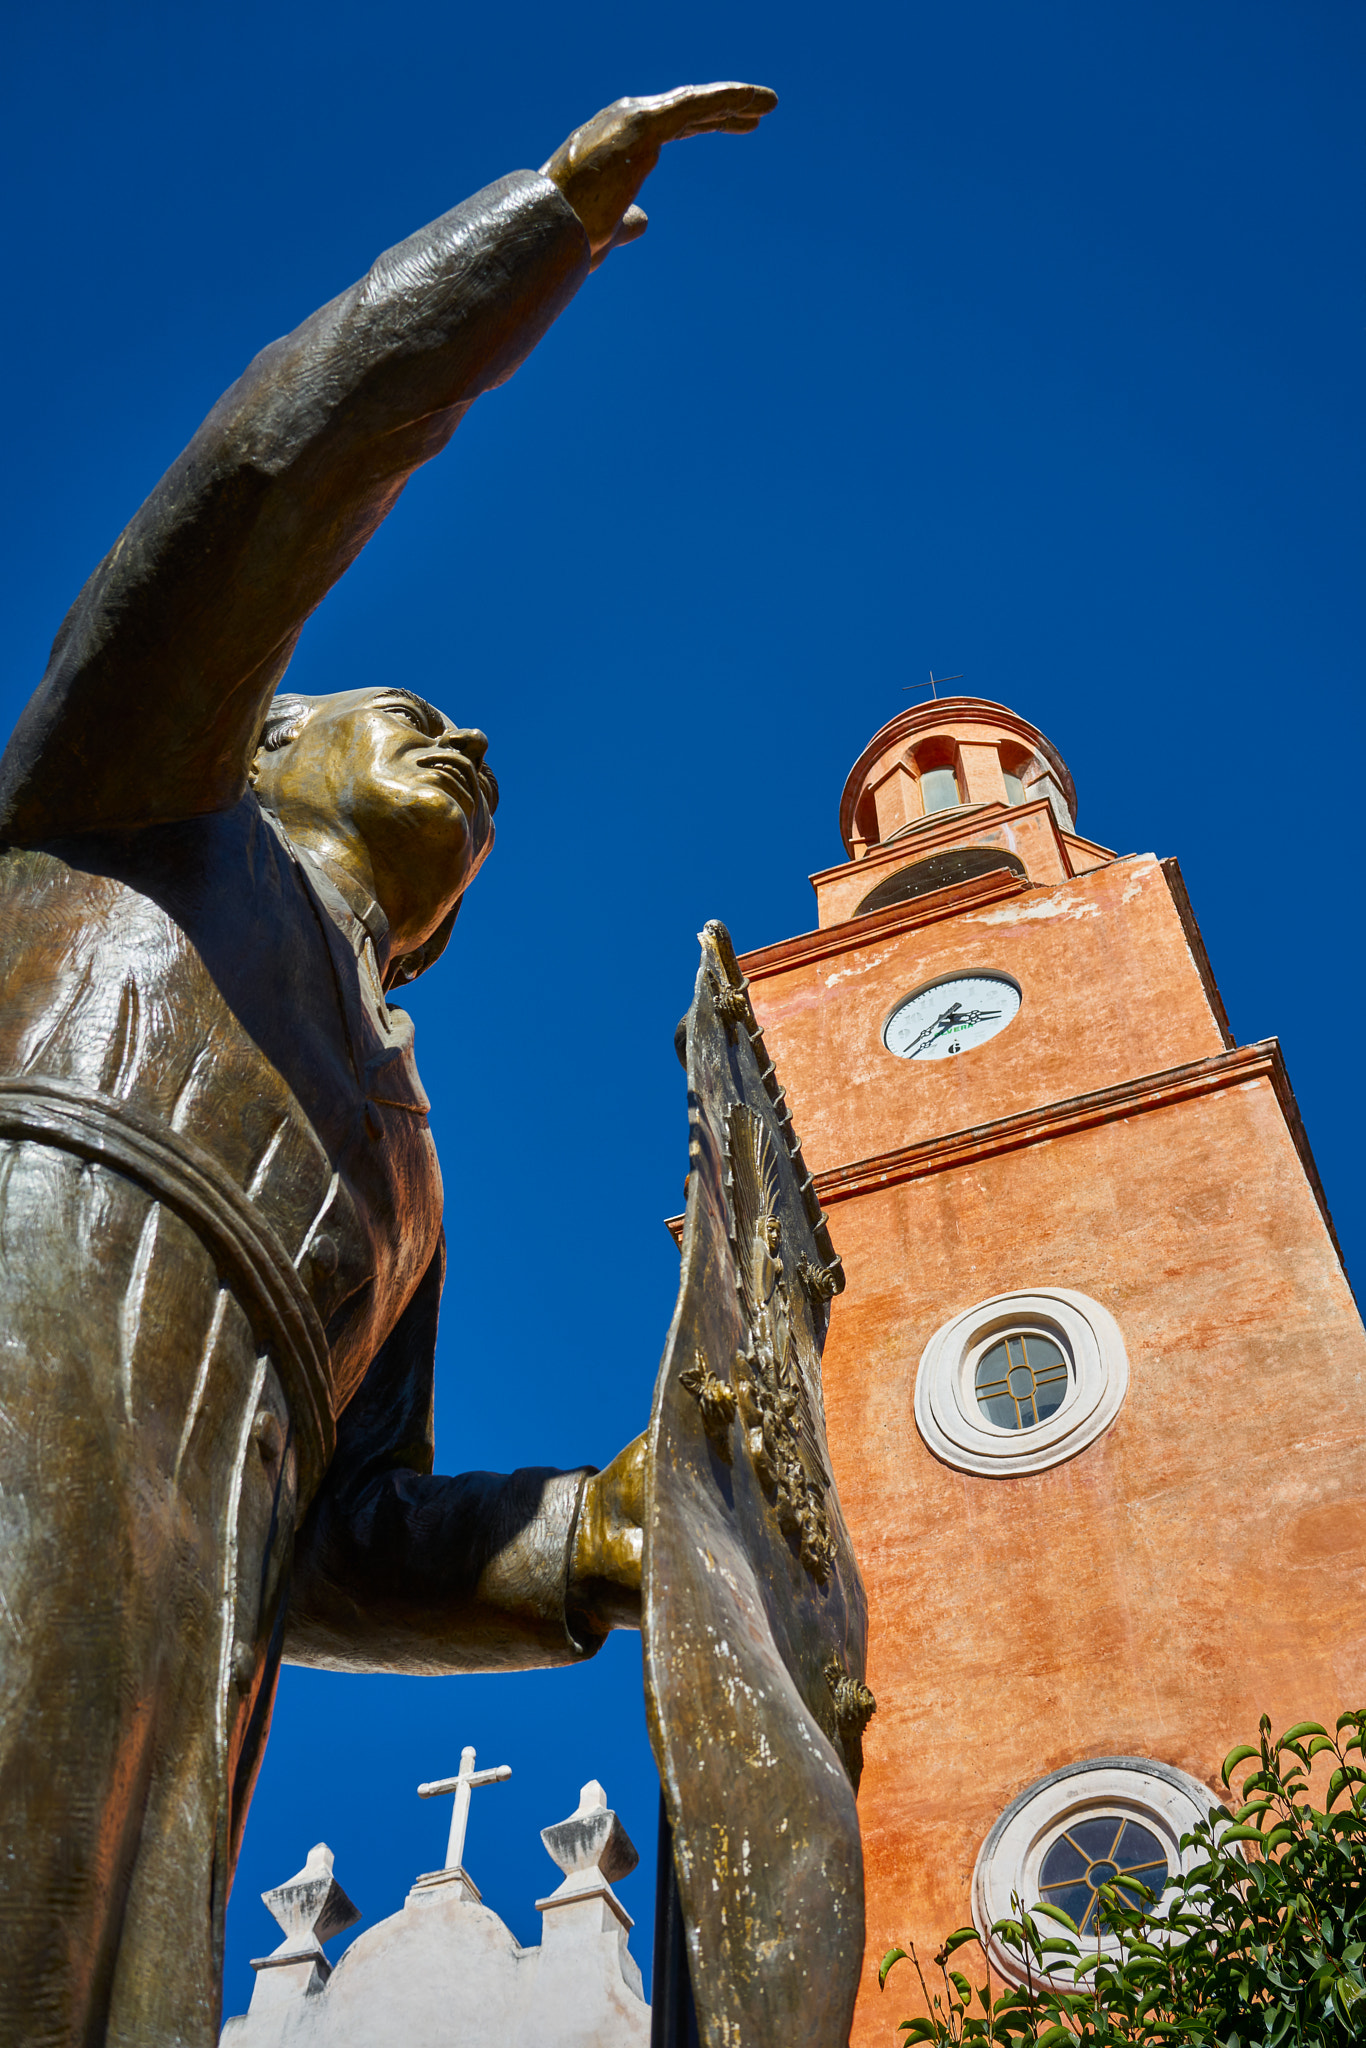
point(933, 685)
point(462, 1784)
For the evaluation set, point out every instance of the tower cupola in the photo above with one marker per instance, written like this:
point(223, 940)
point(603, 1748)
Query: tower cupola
point(947, 792)
point(954, 754)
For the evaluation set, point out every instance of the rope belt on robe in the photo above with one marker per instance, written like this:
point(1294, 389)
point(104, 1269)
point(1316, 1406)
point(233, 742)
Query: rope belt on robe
point(248, 1252)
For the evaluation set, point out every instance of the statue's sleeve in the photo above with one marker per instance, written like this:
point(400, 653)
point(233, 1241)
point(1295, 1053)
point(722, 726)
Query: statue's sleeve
point(397, 1569)
point(161, 673)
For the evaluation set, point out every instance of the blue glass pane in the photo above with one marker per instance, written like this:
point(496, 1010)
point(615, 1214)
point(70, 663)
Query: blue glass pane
point(992, 1367)
point(1064, 1860)
point(1020, 1380)
point(1097, 1837)
point(1076, 1899)
point(1044, 1355)
point(1137, 1845)
point(990, 1381)
point(1050, 1399)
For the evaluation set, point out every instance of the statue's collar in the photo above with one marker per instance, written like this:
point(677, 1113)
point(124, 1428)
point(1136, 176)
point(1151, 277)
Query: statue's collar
point(342, 896)
point(360, 902)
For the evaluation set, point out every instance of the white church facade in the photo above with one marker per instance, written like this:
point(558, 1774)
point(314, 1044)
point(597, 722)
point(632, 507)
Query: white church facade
point(445, 1969)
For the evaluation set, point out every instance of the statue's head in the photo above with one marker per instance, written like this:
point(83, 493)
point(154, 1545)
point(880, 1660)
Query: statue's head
point(384, 785)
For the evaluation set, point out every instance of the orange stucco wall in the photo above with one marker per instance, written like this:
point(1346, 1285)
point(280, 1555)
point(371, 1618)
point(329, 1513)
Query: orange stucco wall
point(1110, 991)
point(1205, 1560)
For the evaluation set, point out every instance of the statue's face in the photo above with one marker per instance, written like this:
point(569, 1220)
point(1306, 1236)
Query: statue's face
point(387, 775)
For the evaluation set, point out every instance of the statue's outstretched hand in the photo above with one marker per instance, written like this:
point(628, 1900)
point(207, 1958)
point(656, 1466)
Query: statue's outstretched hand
point(603, 165)
point(608, 1543)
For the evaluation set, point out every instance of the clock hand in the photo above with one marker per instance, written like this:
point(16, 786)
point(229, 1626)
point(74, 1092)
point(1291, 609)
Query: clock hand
point(945, 1021)
point(955, 1018)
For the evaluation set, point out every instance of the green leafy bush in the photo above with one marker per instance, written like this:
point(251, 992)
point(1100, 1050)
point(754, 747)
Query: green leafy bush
point(1261, 1942)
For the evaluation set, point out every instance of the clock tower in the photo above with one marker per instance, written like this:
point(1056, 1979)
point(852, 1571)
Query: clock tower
point(1094, 1388)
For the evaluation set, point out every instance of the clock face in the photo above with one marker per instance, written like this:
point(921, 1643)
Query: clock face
point(951, 1016)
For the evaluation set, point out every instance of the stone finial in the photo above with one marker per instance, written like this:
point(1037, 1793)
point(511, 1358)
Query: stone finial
point(592, 1839)
point(311, 1907)
point(593, 1849)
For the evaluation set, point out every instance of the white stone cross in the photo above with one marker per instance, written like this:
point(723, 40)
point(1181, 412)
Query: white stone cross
point(462, 1785)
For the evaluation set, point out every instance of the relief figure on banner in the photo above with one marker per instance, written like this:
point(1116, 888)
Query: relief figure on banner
point(220, 1208)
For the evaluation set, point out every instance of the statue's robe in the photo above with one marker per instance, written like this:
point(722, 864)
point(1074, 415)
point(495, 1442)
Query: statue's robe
point(220, 1208)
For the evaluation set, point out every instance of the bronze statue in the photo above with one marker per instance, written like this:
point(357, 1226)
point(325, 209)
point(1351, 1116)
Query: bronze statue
point(220, 1209)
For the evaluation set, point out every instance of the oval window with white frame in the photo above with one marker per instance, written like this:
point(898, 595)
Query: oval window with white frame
point(1112, 1819)
point(1020, 1382)
point(952, 1015)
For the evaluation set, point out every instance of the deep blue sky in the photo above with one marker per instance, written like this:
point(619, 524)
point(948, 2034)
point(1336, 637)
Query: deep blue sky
point(1023, 341)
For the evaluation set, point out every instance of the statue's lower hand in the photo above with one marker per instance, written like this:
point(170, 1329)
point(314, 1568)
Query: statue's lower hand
point(609, 1540)
point(603, 165)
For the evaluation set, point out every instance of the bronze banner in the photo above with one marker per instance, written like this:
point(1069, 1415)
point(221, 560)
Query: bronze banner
point(755, 1617)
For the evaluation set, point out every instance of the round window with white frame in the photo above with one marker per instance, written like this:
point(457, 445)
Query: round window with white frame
point(1115, 1818)
point(1020, 1382)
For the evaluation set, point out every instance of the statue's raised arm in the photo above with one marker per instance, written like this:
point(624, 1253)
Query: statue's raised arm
point(163, 669)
